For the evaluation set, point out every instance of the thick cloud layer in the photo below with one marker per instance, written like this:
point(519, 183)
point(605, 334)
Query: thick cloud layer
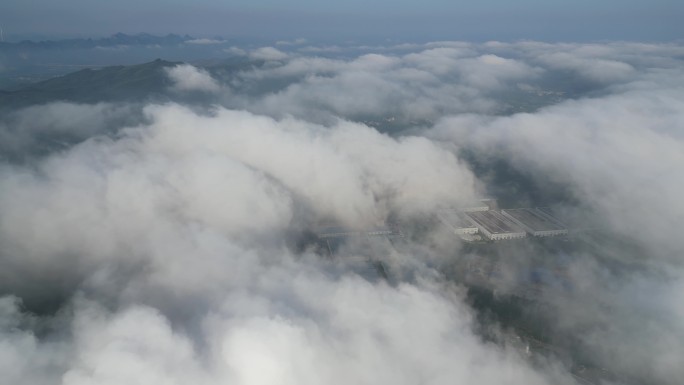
point(163, 243)
point(414, 87)
point(419, 83)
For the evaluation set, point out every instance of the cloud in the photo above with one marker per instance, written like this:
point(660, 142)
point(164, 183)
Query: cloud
point(368, 86)
point(189, 78)
point(169, 244)
point(264, 343)
point(299, 41)
point(616, 155)
point(137, 345)
point(414, 87)
point(205, 41)
point(88, 202)
point(607, 71)
point(321, 49)
point(428, 81)
point(626, 134)
point(119, 47)
point(268, 53)
point(41, 129)
point(236, 51)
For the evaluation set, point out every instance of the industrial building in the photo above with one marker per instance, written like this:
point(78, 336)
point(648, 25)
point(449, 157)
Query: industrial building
point(378, 231)
point(335, 232)
point(480, 206)
point(492, 203)
point(457, 222)
point(345, 232)
point(546, 211)
point(535, 222)
point(495, 226)
point(564, 218)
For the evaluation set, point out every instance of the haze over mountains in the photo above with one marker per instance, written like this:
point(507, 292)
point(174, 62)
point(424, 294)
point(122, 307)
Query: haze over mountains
point(116, 40)
point(160, 212)
point(27, 61)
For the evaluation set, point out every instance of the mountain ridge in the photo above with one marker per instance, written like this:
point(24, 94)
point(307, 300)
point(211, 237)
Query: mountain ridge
point(89, 85)
point(114, 40)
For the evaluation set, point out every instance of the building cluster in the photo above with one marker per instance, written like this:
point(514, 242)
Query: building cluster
point(474, 222)
point(505, 224)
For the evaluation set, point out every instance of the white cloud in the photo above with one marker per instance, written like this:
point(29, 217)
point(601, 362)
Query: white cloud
point(186, 77)
point(181, 223)
point(619, 155)
point(333, 168)
point(299, 41)
point(414, 87)
point(236, 51)
point(268, 53)
point(205, 41)
point(601, 70)
point(58, 124)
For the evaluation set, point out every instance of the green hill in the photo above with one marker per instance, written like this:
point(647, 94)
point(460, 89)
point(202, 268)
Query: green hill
point(116, 83)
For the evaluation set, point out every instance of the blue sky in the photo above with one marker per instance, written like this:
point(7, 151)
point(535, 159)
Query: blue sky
point(550, 20)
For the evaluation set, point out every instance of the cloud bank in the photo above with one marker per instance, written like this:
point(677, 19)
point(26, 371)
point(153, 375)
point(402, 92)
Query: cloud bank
point(166, 243)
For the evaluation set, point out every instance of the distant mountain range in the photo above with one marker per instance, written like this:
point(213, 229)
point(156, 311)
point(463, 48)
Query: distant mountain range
point(118, 39)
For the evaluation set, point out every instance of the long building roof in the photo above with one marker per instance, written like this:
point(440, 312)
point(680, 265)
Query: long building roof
point(494, 222)
point(534, 220)
point(454, 219)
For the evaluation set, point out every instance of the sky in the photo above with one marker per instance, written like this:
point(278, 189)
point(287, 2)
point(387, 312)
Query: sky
point(407, 20)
